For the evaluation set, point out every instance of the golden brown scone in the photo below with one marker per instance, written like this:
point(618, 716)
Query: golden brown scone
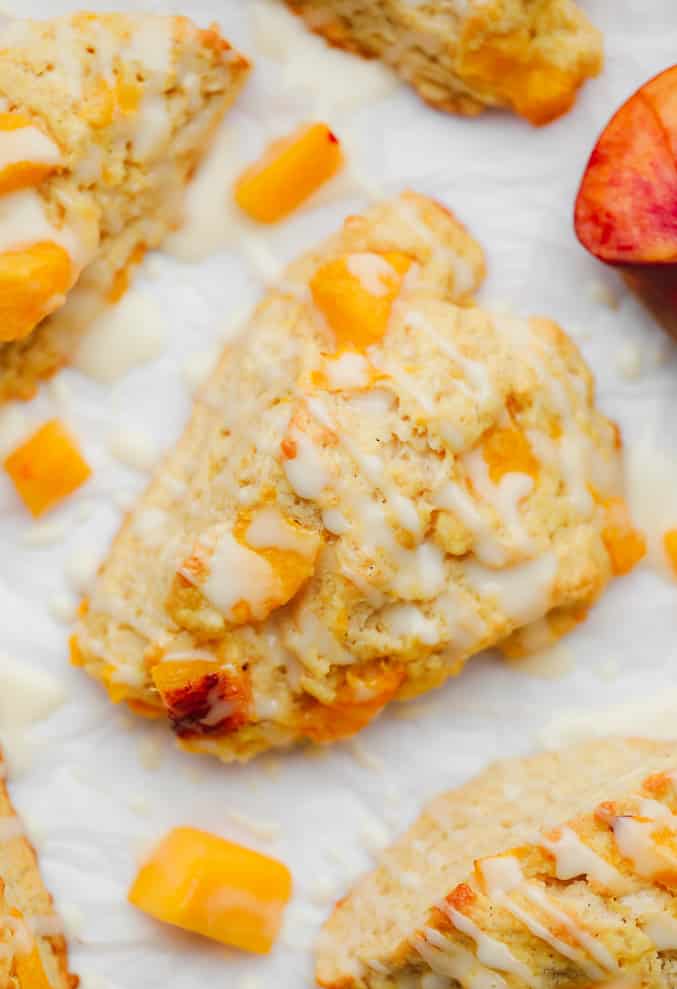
point(531, 56)
point(552, 872)
point(103, 119)
point(32, 951)
point(375, 485)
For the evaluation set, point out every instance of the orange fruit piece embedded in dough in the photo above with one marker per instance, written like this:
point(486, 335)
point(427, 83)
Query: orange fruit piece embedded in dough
point(47, 468)
point(25, 174)
point(625, 545)
point(33, 281)
point(507, 451)
point(205, 884)
point(288, 173)
point(355, 294)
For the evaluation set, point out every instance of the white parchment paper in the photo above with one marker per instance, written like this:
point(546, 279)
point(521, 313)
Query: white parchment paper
point(98, 785)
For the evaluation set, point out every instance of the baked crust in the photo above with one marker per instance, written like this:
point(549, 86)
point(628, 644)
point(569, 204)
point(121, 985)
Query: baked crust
point(530, 57)
point(384, 470)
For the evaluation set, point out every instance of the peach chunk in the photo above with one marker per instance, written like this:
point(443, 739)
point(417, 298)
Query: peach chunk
point(47, 468)
point(32, 283)
point(23, 174)
point(626, 210)
point(289, 172)
point(205, 884)
point(530, 83)
point(670, 547)
point(201, 697)
point(508, 451)
point(625, 545)
point(362, 699)
point(355, 294)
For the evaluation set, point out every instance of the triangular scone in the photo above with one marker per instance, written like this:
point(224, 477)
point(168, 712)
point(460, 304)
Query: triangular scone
point(33, 952)
point(531, 56)
point(103, 120)
point(558, 871)
point(375, 485)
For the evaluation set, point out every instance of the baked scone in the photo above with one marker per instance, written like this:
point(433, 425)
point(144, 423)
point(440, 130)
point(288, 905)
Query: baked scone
point(103, 119)
point(33, 954)
point(531, 56)
point(375, 485)
point(551, 872)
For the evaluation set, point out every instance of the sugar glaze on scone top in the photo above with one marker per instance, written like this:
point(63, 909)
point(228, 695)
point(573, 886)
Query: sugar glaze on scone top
point(103, 119)
point(578, 888)
point(375, 485)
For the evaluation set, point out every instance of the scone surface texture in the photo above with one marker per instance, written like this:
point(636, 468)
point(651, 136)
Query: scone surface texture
point(544, 871)
point(104, 120)
point(375, 484)
point(28, 921)
point(531, 56)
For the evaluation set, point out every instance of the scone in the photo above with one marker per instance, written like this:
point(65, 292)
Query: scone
point(33, 952)
point(551, 872)
point(103, 120)
point(531, 56)
point(374, 485)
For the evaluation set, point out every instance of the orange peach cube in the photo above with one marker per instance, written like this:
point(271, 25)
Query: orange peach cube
point(355, 294)
point(47, 468)
point(508, 451)
point(289, 172)
point(205, 884)
point(670, 547)
point(33, 281)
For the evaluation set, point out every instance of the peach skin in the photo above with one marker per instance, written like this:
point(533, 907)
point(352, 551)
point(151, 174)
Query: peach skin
point(626, 209)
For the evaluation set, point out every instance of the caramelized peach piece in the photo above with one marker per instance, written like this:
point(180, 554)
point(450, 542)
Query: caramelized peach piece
point(24, 174)
point(355, 294)
point(205, 884)
point(507, 451)
point(626, 210)
point(32, 281)
point(670, 547)
point(201, 698)
point(289, 172)
point(47, 468)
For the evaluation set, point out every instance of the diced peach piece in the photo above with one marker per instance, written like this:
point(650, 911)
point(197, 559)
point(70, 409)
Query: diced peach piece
point(670, 547)
point(359, 702)
point(22, 174)
point(511, 64)
point(205, 884)
point(29, 970)
point(291, 567)
point(47, 468)
point(289, 172)
point(625, 545)
point(27, 965)
point(32, 281)
point(355, 294)
point(201, 697)
point(507, 451)
point(626, 210)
